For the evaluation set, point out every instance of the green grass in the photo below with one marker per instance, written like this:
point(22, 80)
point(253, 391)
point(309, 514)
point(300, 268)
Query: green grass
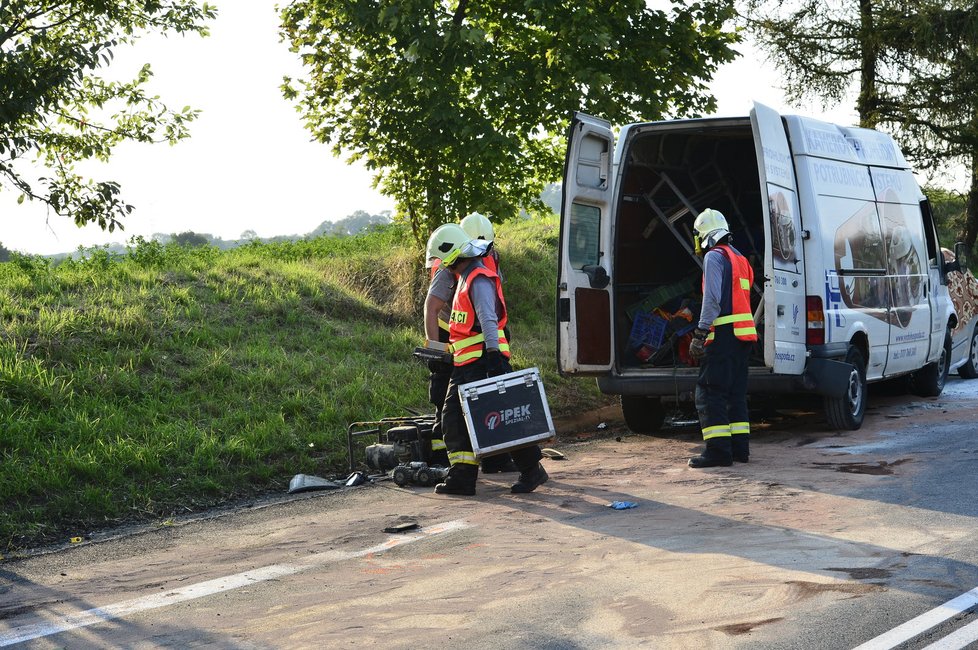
point(138, 387)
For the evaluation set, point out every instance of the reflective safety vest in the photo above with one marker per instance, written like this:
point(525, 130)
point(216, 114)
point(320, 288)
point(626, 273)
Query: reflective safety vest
point(465, 334)
point(741, 279)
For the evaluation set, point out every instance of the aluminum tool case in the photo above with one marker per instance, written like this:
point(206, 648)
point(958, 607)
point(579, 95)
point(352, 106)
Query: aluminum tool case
point(506, 412)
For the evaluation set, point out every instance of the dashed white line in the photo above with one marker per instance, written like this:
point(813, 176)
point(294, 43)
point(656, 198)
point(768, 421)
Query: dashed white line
point(924, 622)
point(24, 633)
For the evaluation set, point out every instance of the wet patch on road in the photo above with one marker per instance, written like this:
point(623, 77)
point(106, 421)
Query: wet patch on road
point(745, 628)
point(879, 468)
point(863, 573)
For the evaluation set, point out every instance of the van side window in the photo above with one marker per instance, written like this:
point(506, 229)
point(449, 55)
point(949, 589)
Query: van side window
point(592, 162)
point(860, 257)
point(585, 222)
point(929, 233)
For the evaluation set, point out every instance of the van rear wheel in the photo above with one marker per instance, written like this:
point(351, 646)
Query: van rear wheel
point(970, 368)
point(642, 414)
point(846, 412)
point(929, 381)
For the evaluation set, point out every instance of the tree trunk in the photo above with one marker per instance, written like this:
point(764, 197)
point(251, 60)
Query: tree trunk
point(866, 103)
point(971, 211)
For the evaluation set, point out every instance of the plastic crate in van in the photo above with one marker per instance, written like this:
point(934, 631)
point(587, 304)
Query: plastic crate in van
point(647, 329)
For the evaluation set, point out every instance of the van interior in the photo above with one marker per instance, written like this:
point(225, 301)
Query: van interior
point(669, 176)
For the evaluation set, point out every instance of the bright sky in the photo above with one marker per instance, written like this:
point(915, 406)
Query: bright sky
point(249, 164)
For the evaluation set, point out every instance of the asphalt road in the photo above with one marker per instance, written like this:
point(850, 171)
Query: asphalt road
point(824, 540)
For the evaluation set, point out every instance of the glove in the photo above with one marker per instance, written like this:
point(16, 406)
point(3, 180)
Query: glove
point(495, 363)
point(697, 347)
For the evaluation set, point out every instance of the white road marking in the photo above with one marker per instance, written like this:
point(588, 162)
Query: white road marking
point(24, 633)
point(961, 638)
point(924, 622)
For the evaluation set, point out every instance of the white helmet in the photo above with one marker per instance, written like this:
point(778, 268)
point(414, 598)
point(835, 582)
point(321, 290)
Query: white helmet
point(478, 227)
point(447, 243)
point(709, 228)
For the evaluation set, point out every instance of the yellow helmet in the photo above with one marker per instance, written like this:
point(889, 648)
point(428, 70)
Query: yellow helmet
point(446, 244)
point(709, 228)
point(478, 227)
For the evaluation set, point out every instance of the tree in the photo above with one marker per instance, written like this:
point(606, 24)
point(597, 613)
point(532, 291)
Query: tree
point(55, 108)
point(191, 239)
point(936, 112)
point(461, 106)
point(915, 63)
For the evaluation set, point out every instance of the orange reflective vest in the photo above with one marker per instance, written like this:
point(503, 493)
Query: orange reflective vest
point(741, 279)
point(465, 333)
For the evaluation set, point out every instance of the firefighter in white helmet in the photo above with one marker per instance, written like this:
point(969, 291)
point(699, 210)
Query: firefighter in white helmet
point(480, 349)
point(722, 342)
point(478, 226)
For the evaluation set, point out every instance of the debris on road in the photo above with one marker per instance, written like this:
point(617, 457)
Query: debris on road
point(307, 483)
point(622, 505)
point(552, 454)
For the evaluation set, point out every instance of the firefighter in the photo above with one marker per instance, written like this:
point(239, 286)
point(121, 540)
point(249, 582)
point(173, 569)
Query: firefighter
point(437, 309)
point(722, 342)
point(480, 349)
point(478, 226)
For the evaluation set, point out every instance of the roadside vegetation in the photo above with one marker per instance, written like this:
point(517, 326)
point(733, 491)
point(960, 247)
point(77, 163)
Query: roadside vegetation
point(170, 380)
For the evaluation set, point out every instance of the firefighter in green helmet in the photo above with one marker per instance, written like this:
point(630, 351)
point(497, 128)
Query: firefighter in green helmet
point(480, 349)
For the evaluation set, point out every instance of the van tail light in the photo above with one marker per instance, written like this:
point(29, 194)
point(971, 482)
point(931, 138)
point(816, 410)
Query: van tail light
point(815, 333)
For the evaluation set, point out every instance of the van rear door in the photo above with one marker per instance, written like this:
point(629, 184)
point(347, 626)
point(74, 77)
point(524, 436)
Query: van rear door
point(584, 344)
point(784, 313)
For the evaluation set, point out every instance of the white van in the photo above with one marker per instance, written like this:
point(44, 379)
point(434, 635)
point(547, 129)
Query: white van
point(850, 285)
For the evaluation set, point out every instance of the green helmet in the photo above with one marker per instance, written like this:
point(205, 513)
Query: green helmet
point(478, 227)
point(709, 228)
point(446, 244)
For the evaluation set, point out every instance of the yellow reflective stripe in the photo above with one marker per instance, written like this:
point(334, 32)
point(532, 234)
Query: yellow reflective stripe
point(738, 428)
point(744, 284)
point(437, 444)
point(732, 318)
point(716, 431)
point(466, 342)
point(745, 330)
point(462, 458)
point(444, 324)
point(475, 354)
point(467, 349)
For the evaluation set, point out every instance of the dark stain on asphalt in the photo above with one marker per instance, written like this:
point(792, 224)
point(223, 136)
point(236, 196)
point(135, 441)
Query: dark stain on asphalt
point(879, 468)
point(811, 589)
point(863, 573)
point(745, 628)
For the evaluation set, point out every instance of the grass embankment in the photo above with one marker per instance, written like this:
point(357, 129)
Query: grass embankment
point(172, 380)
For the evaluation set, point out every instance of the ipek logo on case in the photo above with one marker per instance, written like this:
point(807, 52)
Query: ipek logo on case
point(496, 419)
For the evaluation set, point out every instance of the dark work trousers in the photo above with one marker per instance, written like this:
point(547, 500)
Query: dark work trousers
point(440, 373)
point(457, 433)
point(721, 390)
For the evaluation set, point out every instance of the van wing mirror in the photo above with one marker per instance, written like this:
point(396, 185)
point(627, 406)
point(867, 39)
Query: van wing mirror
point(960, 261)
point(596, 275)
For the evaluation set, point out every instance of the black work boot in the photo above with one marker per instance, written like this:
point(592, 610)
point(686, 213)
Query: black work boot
point(740, 447)
point(717, 454)
point(460, 481)
point(530, 480)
